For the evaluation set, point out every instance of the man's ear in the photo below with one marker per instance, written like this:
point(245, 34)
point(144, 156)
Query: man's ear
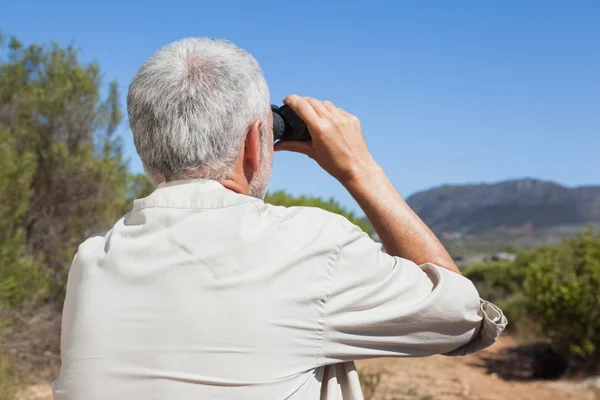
point(252, 147)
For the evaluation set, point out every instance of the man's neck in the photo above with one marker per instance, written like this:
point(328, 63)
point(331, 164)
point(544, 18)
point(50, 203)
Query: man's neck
point(239, 186)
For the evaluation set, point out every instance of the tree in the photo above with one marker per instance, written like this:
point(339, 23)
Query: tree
point(22, 278)
point(61, 129)
point(139, 186)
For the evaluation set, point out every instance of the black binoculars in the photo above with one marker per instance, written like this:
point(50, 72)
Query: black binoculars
point(287, 125)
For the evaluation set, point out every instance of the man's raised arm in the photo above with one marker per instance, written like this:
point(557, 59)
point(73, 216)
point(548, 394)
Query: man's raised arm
point(339, 147)
point(409, 302)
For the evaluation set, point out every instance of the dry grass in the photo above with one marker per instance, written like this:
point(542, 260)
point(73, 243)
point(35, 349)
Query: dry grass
point(466, 378)
point(369, 382)
point(32, 339)
point(8, 380)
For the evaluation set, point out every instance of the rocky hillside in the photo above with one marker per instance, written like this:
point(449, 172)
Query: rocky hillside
point(518, 205)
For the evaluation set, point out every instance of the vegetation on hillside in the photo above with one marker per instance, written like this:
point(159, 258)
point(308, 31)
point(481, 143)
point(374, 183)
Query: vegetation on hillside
point(562, 288)
point(551, 292)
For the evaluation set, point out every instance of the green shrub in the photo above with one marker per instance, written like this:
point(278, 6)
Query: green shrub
point(523, 325)
point(496, 281)
point(562, 287)
point(502, 284)
point(22, 279)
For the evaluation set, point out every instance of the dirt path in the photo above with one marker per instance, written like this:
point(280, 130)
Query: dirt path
point(446, 378)
point(451, 378)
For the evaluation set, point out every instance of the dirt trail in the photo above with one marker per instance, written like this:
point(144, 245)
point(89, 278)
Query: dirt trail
point(470, 377)
point(447, 378)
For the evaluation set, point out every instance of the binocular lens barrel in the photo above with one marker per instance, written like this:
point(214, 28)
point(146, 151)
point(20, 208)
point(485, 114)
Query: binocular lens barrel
point(287, 125)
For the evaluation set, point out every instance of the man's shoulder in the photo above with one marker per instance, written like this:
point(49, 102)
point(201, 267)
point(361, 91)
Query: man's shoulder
point(93, 243)
point(307, 215)
point(99, 241)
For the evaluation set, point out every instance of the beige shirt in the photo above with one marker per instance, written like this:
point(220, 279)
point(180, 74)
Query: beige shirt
point(202, 293)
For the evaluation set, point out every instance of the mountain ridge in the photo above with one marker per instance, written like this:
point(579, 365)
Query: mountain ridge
point(517, 204)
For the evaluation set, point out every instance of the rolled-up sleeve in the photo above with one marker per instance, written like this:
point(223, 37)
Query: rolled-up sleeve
point(384, 306)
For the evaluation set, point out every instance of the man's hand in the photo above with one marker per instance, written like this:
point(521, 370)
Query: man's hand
point(339, 147)
point(337, 143)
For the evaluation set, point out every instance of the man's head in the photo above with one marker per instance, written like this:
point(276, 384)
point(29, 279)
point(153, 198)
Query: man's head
point(200, 108)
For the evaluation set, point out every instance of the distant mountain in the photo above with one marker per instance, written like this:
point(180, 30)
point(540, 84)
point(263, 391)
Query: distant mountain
point(525, 204)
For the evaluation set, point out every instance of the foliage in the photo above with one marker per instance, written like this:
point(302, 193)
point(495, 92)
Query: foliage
point(563, 290)
point(496, 280)
point(552, 292)
point(281, 198)
point(138, 186)
point(21, 277)
point(502, 283)
point(63, 176)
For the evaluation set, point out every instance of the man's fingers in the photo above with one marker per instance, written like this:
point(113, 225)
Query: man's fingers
point(295, 146)
point(330, 106)
point(302, 107)
point(318, 106)
point(344, 112)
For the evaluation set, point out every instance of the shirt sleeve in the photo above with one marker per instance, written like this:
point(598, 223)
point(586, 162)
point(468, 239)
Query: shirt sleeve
point(384, 306)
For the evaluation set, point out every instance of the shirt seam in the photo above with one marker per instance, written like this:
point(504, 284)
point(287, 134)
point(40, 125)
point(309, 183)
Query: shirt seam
point(333, 258)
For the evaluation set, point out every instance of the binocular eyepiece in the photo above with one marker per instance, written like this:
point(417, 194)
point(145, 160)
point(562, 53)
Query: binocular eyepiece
point(287, 125)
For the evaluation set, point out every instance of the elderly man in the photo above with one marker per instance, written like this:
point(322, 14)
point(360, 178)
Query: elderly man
point(204, 291)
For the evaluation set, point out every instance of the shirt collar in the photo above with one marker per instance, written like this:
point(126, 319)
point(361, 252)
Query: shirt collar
point(207, 182)
point(192, 193)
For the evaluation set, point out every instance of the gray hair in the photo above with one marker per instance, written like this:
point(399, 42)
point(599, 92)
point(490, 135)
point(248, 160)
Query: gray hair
point(190, 106)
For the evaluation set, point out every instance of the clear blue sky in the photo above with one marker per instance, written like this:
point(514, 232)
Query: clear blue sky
point(447, 91)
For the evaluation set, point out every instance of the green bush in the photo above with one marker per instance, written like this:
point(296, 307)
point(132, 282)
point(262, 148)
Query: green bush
point(562, 287)
point(23, 280)
point(551, 292)
point(502, 283)
point(496, 281)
